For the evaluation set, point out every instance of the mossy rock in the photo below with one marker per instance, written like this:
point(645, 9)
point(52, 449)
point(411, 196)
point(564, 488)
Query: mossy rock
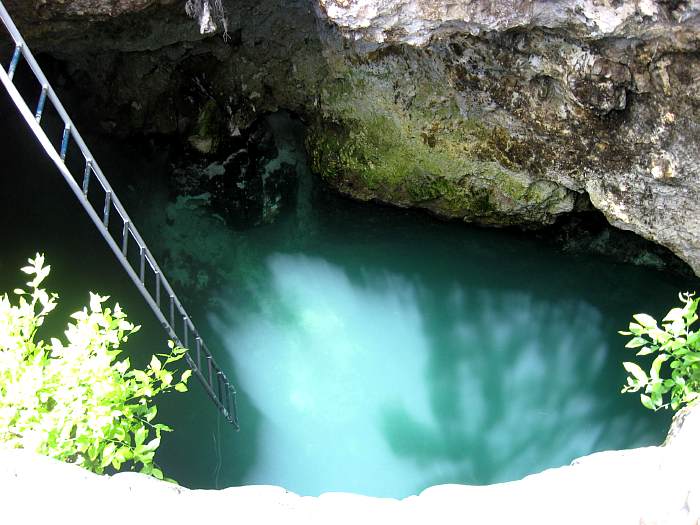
point(374, 142)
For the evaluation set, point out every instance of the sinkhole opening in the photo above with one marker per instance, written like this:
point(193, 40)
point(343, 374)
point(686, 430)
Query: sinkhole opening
point(376, 350)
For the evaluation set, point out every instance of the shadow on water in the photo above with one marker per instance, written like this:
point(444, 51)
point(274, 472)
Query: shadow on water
point(382, 352)
point(385, 378)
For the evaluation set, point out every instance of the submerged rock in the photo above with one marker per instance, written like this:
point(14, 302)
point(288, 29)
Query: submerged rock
point(247, 182)
point(501, 113)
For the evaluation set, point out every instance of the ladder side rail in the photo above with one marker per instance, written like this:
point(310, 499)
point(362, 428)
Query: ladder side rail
point(48, 92)
point(41, 78)
point(165, 285)
point(77, 190)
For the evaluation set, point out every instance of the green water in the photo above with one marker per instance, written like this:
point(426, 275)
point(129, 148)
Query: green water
point(375, 350)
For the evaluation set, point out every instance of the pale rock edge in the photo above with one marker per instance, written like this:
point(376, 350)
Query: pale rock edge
point(651, 485)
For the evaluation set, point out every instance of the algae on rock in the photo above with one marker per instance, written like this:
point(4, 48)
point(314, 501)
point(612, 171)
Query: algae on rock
point(412, 145)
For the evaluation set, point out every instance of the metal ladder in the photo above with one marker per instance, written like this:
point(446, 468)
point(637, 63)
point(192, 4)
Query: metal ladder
point(142, 268)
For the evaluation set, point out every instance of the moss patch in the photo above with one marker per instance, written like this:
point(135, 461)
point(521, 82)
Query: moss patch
point(410, 145)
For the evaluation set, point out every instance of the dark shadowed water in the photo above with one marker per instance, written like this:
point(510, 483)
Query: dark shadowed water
point(375, 350)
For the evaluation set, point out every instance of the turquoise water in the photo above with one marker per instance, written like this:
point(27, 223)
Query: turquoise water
point(375, 350)
point(380, 351)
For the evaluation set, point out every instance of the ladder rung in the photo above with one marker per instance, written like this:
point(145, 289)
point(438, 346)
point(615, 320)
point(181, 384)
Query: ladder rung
point(185, 331)
point(15, 60)
point(108, 205)
point(64, 141)
point(42, 102)
point(142, 264)
point(125, 237)
point(227, 396)
point(157, 288)
point(86, 176)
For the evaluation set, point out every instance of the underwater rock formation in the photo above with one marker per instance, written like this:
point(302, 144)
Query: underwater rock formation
point(495, 112)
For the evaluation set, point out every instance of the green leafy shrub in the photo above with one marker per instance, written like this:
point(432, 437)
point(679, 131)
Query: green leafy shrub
point(674, 343)
point(74, 400)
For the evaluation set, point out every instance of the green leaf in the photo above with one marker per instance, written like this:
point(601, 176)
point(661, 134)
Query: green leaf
point(691, 357)
point(637, 372)
point(152, 444)
point(646, 401)
point(645, 320)
point(635, 328)
point(140, 436)
point(185, 376)
point(693, 338)
point(659, 335)
point(155, 364)
point(181, 387)
point(656, 366)
point(636, 342)
point(140, 376)
point(152, 411)
point(691, 305)
point(647, 350)
point(675, 314)
point(108, 454)
point(119, 433)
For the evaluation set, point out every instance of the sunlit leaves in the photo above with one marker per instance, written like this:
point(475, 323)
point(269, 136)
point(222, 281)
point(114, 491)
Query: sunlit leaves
point(674, 343)
point(636, 372)
point(73, 399)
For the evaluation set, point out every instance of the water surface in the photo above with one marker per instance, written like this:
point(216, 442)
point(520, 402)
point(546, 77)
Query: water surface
point(381, 351)
point(375, 350)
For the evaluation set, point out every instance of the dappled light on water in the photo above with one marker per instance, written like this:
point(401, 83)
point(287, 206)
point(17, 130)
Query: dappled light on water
point(377, 384)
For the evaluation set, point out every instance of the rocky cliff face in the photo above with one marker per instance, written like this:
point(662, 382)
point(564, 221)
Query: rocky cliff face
point(505, 112)
point(497, 112)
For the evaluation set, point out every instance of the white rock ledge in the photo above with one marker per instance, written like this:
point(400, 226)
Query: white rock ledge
point(645, 486)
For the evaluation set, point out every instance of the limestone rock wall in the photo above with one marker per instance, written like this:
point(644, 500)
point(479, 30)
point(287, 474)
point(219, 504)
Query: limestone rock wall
point(496, 112)
point(552, 99)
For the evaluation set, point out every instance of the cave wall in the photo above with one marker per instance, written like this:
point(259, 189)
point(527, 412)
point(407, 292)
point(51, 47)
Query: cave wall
point(500, 113)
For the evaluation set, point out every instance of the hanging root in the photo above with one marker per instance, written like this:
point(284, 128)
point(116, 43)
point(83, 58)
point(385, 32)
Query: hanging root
point(210, 14)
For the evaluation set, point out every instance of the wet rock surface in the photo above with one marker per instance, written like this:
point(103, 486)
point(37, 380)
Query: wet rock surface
point(500, 113)
point(247, 181)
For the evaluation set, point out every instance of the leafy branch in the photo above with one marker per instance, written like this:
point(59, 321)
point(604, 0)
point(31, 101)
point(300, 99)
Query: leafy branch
point(676, 347)
point(74, 399)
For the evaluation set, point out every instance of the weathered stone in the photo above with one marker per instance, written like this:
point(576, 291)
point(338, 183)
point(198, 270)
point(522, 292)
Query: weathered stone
point(496, 112)
point(246, 180)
